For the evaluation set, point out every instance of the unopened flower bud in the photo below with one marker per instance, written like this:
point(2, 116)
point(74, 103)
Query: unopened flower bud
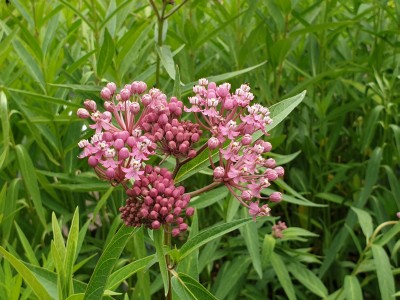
point(213, 143)
point(190, 211)
point(134, 107)
point(125, 94)
point(123, 153)
point(83, 113)
point(247, 139)
point(275, 197)
point(112, 87)
point(110, 173)
point(175, 232)
point(267, 146)
point(271, 174)
point(138, 87)
point(155, 225)
point(247, 195)
point(203, 81)
point(93, 161)
point(106, 94)
point(90, 105)
point(270, 163)
point(146, 99)
point(280, 171)
point(219, 172)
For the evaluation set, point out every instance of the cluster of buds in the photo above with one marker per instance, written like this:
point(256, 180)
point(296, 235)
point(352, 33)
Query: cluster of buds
point(155, 201)
point(162, 125)
point(232, 120)
point(278, 228)
point(135, 125)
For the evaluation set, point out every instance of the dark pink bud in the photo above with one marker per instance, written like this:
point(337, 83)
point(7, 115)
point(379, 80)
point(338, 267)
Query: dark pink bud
point(146, 99)
point(190, 211)
point(106, 94)
point(83, 113)
point(267, 146)
point(271, 174)
point(123, 153)
point(153, 215)
point(246, 140)
point(247, 195)
point(183, 148)
point(275, 197)
point(179, 220)
point(148, 200)
point(169, 218)
point(110, 173)
point(90, 105)
point(163, 211)
point(153, 192)
point(169, 136)
point(155, 225)
point(213, 143)
point(118, 144)
point(183, 227)
point(280, 171)
point(163, 119)
point(93, 161)
point(270, 163)
point(219, 172)
point(192, 153)
point(178, 111)
point(179, 137)
point(130, 141)
point(175, 232)
point(112, 87)
point(195, 137)
point(144, 212)
point(172, 145)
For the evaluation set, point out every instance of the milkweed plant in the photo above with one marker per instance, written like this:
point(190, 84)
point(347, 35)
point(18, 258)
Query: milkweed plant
point(220, 123)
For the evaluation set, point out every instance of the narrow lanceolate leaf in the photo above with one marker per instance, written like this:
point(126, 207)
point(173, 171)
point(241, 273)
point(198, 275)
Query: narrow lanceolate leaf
point(177, 84)
point(104, 266)
point(188, 288)
point(70, 254)
point(158, 243)
point(209, 234)
point(282, 273)
point(278, 111)
point(26, 274)
point(30, 180)
point(106, 54)
point(308, 279)
point(167, 60)
point(5, 127)
point(352, 288)
point(250, 235)
point(30, 254)
point(383, 272)
point(127, 271)
point(365, 221)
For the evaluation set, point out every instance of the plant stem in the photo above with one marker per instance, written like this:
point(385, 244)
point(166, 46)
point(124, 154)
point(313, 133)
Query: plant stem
point(167, 242)
point(205, 189)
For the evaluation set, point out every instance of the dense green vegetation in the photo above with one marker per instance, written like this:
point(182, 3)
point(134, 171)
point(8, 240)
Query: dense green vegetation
point(340, 147)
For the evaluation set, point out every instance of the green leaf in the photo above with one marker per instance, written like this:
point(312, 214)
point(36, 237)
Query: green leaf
point(30, 254)
point(365, 221)
point(267, 249)
point(191, 286)
point(106, 54)
point(282, 273)
point(158, 236)
point(167, 60)
point(250, 235)
point(388, 235)
point(5, 128)
point(30, 180)
point(308, 279)
point(27, 275)
point(208, 198)
point(57, 236)
point(278, 111)
point(209, 234)
point(70, 254)
point(127, 271)
point(383, 272)
point(177, 84)
point(76, 297)
point(104, 266)
point(102, 201)
point(352, 288)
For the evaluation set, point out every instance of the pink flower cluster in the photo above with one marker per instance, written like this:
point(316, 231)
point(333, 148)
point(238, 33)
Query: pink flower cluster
point(155, 200)
point(278, 228)
point(232, 120)
point(135, 125)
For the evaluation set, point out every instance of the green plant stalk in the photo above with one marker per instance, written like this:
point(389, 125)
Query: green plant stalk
point(167, 241)
point(369, 244)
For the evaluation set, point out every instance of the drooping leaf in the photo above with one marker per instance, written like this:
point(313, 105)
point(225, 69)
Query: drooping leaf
point(383, 272)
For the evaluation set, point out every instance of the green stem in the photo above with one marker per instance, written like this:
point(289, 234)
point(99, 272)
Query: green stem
point(205, 189)
point(167, 241)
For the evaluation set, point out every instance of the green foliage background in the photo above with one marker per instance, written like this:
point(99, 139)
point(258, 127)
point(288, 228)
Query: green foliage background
point(340, 147)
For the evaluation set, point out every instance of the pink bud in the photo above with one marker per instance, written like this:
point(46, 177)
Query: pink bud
point(163, 119)
point(106, 94)
point(398, 214)
point(155, 225)
point(110, 173)
point(123, 153)
point(219, 172)
point(267, 146)
point(222, 91)
point(212, 86)
point(125, 94)
point(169, 218)
point(280, 171)
point(247, 195)
point(213, 143)
point(118, 144)
point(172, 145)
point(93, 161)
point(138, 87)
point(175, 232)
point(195, 137)
point(183, 148)
point(83, 113)
point(192, 153)
point(109, 106)
point(190, 211)
point(271, 174)
point(275, 197)
point(183, 227)
point(134, 107)
point(90, 105)
point(112, 87)
point(179, 137)
point(270, 163)
point(146, 99)
point(108, 136)
point(247, 139)
point(229, 104)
